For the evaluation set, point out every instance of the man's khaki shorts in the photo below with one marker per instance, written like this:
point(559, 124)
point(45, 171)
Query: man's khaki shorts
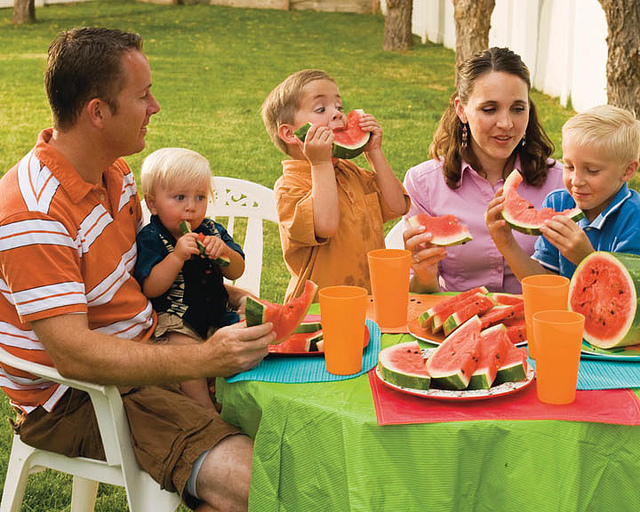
point(168, 430)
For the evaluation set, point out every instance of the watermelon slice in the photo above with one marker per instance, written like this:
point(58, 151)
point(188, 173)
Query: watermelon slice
point(514, 367)
point(185, 228)
point(285, 318)
point(403, 365)
point(605, 289)
point(478, 306)
point(425, 318)
point(508, 299)
point(454, 361)
point(445, 230)
point(500, 313)
point(348, 142)
point(521, 215)
point(492, 350)
point(516, 330)
point(438, 320)
point(308, 327)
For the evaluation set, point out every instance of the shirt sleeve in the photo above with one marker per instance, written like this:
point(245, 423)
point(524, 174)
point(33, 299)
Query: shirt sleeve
point(151, 251)
point(294, 205)
point(228, 239)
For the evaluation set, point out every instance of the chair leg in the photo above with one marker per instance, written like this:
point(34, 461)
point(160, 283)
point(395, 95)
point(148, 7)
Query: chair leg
point(17, 475)
point(83, 496)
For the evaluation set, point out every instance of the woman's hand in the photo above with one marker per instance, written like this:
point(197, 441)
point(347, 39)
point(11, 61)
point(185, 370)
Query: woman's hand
point(424, 258)
point(498, 228)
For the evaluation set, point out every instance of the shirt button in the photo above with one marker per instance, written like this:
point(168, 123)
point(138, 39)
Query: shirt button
point(102, 197)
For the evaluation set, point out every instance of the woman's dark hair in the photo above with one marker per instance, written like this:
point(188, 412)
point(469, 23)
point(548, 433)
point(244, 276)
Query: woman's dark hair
point(447, 140)
point(85, 63)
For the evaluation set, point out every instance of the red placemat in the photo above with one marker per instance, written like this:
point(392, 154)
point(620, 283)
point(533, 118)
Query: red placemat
point(620, 406)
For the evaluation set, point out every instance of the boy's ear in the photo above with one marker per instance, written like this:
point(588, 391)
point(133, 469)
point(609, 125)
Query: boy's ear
point(287, 133)
point(630, 170)
point(151, 204)
point(460, 110)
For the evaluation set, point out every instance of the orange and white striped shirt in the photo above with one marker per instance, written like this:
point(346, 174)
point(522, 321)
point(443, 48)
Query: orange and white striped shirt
point(66, 246)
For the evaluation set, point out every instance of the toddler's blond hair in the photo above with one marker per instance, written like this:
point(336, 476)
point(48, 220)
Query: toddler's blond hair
point(611, 130)
point(174, 167)
point(283, 102)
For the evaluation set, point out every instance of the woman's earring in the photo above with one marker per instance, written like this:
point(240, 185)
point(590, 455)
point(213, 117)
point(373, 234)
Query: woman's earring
point(465, 135)
point(524, 141)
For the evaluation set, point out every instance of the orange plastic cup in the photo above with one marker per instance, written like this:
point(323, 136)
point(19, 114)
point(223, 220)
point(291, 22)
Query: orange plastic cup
point(558, 337)
point(343, 311)
point(541, 293)
point(389, 272)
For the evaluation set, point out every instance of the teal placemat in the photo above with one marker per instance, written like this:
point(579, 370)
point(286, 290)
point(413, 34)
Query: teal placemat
point(598, 374)
point(293, 369)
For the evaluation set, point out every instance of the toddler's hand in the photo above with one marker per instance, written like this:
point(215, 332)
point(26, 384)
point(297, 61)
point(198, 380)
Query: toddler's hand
point(215, 247)
point(186, 246)
point(317, 144)
point(368, 123)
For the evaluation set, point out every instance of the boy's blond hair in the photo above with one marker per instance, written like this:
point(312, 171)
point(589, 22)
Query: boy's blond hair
point(174, 167)
point(283, 102)
point(611, 130)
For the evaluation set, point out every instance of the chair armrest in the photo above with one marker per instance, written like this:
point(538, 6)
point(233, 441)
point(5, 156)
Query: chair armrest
point(47, 372)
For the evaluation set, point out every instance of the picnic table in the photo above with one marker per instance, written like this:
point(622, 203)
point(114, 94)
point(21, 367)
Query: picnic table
point(319, 446)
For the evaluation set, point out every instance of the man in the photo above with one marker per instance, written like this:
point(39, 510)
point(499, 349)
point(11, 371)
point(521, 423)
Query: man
point(68, 220)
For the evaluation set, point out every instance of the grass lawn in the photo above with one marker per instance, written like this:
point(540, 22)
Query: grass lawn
point(212, 68)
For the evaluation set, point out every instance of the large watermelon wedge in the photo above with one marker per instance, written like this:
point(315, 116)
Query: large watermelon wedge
point(446, 230)
point(285, 318)
point(454, 361)
point(604, 288)
point(348, 142)
point(492, 351)
point(403, 365)
point(521, 215)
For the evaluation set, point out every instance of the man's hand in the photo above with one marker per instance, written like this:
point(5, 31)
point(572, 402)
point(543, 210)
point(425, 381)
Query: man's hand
point(237, 348)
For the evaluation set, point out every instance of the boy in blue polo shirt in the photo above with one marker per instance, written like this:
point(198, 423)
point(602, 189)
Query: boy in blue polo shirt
point(600, 149)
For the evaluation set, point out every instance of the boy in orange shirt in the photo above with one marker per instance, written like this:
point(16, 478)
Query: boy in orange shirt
point(331, 211)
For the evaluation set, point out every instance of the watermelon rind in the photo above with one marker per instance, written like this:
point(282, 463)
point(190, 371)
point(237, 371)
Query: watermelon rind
point(339, 149)
point(489, 363)
point(461, 237)
point(308, 327)
point(253, 311)
point(510, 187)
point(426, 318)
point(393, 374)
point(605, 298)
point(222, 261)
point(514, 368)
point(463, 344)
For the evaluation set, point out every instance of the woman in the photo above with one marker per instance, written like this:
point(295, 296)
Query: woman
point(489, 128)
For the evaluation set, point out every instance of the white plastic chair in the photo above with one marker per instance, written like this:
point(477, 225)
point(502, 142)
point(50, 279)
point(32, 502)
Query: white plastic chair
point(120, 468)
point(236, 198)
point(394, 239)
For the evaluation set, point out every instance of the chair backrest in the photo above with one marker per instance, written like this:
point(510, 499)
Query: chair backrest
point(235, 199)
point(394, 239)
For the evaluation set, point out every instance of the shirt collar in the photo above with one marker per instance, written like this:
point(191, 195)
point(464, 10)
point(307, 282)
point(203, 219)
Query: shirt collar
point(466, 167)
point(623, 194)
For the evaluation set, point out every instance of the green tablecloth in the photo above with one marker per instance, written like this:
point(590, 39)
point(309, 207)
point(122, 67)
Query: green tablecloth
point(318, 448)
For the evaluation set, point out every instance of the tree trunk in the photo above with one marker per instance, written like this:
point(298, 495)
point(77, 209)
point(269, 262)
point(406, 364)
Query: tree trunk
point(24, 11)
point(623, 57)
point(397, 25)
point(472, 21)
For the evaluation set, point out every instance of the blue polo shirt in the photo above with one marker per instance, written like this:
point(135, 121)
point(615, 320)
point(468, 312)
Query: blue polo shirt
point(616, 229)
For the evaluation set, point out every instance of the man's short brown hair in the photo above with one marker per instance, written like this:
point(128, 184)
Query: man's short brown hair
point(85, 63)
